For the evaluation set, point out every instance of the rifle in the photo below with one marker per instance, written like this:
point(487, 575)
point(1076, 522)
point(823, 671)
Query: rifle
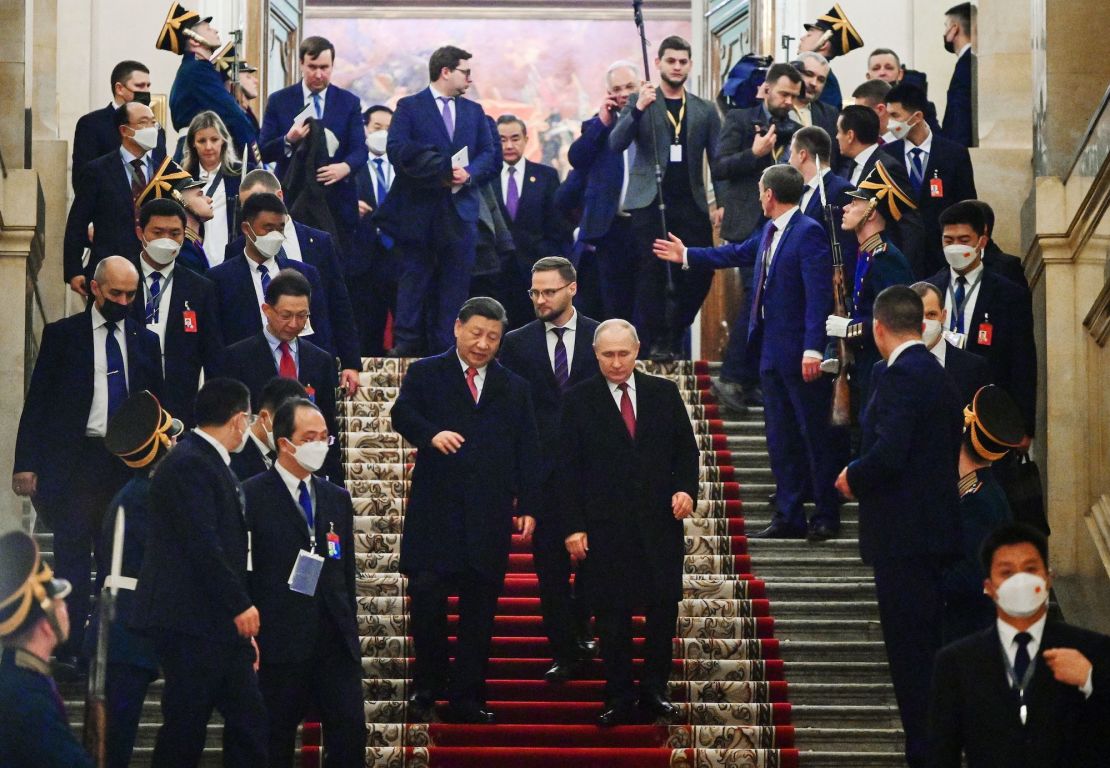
point(96, 711)
point(841, 414)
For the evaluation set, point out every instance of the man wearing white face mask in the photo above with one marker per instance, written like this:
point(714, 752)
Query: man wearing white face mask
point(178, 305)
point(261, 450)
point(969, 372)
point(308, 646)
point(1028, 690)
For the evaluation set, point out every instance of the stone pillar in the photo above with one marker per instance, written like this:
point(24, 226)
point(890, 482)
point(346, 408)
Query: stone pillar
point(13, 66)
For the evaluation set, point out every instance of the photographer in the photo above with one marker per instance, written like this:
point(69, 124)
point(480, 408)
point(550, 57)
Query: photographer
point(751, 140)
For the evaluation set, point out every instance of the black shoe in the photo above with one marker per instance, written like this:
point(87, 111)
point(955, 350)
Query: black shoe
point(821, 532)
point(420, 707)
point(617, 713)
point(470, 713)
point(753, 397)
point(403, 352)
point(657, 705)
point(561, 671)
point(779, 530)
point(730, 395)
point(587, 649)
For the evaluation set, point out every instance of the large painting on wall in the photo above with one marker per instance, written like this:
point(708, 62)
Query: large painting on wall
point(549, 72)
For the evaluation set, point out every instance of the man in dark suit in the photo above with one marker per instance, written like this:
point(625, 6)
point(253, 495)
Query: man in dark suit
point(87, 365)
point(681, 131)
point(857, 133)
point(1030, 690)
point(307, 245)
point(278, 348)
point(308, 646)
point(969, 371)
point(1005, 264)
point(473, 425)
point(96, 133)
point(178, 305)
point(959, 112)
point(433, 217)
point(792, 297)
point(260, 451)
point(192, 596)
point(527, 196)
point(905, 480)
point(371, 267)
point(987, 314)
point(809, 110)
point(105, 193)
point(939, 169)
point(605, 225)
point(627, 441)
point(553, 353)
point(338, 111)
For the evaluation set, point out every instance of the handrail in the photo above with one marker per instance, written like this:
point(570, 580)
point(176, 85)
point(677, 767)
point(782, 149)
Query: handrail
point(1096, 123)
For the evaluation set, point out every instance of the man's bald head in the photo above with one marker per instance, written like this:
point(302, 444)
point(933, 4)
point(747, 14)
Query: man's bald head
point(115, 279)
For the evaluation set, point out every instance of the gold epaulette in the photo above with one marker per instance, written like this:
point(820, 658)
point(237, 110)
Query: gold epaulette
point(970, 483)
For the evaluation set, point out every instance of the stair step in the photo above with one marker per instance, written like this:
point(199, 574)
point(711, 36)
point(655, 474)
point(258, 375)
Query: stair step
point(852, 716)
point(852, 759)
point(884, 740)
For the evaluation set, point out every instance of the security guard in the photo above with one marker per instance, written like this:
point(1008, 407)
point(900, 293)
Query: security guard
point(877, 202)
point(33, 621)
point(244, 91)
point(992, 427)
point(171, 181)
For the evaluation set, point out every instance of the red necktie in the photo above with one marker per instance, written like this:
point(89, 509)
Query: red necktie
point(627, 412)
point(288, 366)
point(471, 374)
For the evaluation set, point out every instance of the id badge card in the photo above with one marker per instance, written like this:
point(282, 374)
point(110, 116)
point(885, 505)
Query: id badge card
point(936, 187)
point(676, 153)
point(190, 319)
point(956, 339)
point(306, 573)
point(986, 333)
point(334, 550)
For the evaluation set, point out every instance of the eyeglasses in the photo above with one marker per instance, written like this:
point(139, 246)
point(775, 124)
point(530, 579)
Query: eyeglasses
point(547, 293)
point(301, 317)
point(330, 440)
point(464, 71)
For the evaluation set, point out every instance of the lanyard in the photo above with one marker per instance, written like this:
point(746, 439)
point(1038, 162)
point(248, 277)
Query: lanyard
point(958, 316)
point(1019, 685)
point(216, 181)
point(157, 300)
point(677, 124)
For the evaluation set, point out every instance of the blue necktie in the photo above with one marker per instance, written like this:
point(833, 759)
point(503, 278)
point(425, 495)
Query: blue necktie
point(917, 170)
point(1021, 658)
point(117, 378)
point(379, 175)
point(562, 368)
point(316, 104)
point(265, 276)
point(305, 499)
point(152, 299)
point(958, 304)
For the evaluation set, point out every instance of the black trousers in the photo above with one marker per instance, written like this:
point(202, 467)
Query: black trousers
point(125, 688)
point(373, 297)
point(202, 675)
point(464, 684)
point(614, 629)
point(911, 609)
point(565, 609)
point(329, 684)
point(617, 264)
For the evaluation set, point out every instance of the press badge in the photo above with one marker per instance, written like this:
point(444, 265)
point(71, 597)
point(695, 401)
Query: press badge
point(306, 573)
point(676, 153)
point(334, 551)
point(956, 339)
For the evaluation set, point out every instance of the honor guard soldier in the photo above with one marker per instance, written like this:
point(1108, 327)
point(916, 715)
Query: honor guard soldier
point(177, 184)
point(877, 202)
point(831, 35)
point(33, 621)
point(244, 90)
point(198, 85)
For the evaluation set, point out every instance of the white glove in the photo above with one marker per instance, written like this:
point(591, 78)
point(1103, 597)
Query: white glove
point(832, 365)
point(837, 327)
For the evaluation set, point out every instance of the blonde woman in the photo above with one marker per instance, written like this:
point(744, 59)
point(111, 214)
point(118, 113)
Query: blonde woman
point(210, 156)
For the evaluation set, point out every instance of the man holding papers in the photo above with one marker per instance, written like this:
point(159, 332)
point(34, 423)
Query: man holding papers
point(441, 149)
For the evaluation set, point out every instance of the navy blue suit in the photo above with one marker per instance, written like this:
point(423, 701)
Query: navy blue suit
point(192, 585)
point(343, 117)
point(436, 231)
point(458, 523)
point(251, 361)
point(199, 87)
point(308, 646)
point(240, 315)
point(958, 123)
point(249, 461)
point(96, 134)
point(372, 270)
point(969, 371)
point(318, 251)
point(102, 197)
point(831, 94)
point(909, 523)
point(77, 476)
point(788, 319)
point(186, 351)
point(1005, 264)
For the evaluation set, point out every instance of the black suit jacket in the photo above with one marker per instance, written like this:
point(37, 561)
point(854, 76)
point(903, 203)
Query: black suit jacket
point(96, 134)
point(368, 246)
point(959, 125)
point(102, 197)
point(619, 489)
point(56, 409)
point(906, 473)
point(248, 462)
point(194, 575)
point(186, 352)
point(973, 710)
point(291, 621)
point(1005, 264)
point(969, 372)
point(736, 172)
point(1012, 353)
point(538, 228)
point(460, 507)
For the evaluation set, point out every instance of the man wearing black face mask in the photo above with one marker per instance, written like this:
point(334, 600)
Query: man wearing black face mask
point(178, 305)
point(959, 117)
point(96, 132)
point(87, 365)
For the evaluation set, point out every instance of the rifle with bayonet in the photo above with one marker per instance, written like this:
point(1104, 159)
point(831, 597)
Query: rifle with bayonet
point(96, 709)
point(841, 413)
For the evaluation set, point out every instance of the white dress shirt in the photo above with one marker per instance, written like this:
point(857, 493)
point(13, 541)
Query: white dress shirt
point(215, 444)
point(275, 342)
point(292, 245)
point(568, 339)
point(439, 104)
point(97, 424)
point(925, 146)
point(215, 231)
point(900, 349)
point(148, 166)
point(519, 166)
point(165, 289)
point(780, 226)
point(1007, 633)
point(617, 394)
point(479, 380)
point(940, 350)
point(861, 160)
point(811, 189)
point(307, 92)
point(272, 269)
point(971, 295)
point(387, 171)
point(293, 483)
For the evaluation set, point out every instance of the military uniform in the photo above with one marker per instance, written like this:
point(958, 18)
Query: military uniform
point(170, 180)
point(842, 38)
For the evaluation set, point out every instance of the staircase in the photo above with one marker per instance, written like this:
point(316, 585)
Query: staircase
point(779, 654)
